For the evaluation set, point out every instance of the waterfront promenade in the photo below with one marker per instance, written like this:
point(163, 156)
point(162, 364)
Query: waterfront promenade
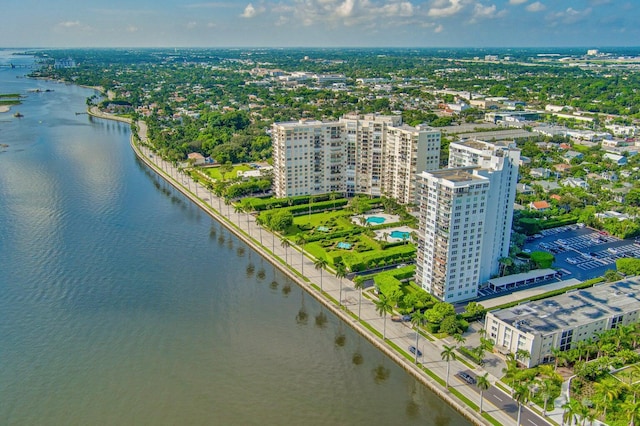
point(399, 336)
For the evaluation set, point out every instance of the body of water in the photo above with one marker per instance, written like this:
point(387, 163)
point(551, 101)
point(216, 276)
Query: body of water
point(122, 303)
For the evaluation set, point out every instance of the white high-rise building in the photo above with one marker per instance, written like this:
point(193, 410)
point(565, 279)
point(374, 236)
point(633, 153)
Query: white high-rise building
point(361, 154)
point(308, 158)
point(453, 204)
point(499, 162)
point(365, 137)
point(466, 213)
point(407, 150)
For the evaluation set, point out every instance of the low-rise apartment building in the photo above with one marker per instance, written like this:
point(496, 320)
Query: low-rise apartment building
point(559, 322)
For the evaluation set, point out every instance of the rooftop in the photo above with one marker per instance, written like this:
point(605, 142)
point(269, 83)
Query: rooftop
point(574, 308)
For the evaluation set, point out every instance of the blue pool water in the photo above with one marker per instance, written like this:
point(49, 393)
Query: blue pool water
point(375, 219)
point(399, 234)
point(346, 246)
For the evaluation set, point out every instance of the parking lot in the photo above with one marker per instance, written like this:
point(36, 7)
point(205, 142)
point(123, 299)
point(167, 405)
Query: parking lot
point(581, 252)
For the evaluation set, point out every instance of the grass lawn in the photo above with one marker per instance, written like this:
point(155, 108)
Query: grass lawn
point(214, 172)
point(337, 220)
point(628, 375)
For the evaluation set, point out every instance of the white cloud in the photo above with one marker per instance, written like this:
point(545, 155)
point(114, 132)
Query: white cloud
point(517, 1)
point(191, 25)
point(438, 29)
point(536, 7)
point(445, 8)
point(569, 16)
point(69, 24)
point(346, 8)
point(249, 11)
point(481, 11)
point(132, 29)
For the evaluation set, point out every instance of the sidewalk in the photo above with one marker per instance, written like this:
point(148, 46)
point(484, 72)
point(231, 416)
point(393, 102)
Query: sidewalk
point(400, 335)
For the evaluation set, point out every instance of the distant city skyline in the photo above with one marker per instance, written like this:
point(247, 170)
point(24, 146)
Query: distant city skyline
point(320, 23)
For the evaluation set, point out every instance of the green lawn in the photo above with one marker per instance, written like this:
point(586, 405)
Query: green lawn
point(214, 172)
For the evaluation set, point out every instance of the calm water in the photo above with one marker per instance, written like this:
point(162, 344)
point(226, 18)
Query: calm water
point(121, 303)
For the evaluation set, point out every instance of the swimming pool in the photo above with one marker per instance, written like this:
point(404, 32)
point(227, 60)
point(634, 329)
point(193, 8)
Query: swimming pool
point(346, 246)
point(400, 235)
point(375, 219)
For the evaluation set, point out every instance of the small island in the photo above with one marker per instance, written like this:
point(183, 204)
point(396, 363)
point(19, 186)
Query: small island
point(8, 100)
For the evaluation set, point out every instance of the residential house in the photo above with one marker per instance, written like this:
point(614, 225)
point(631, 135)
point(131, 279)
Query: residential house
point(619, 160)
point(539, 206)
point(574, 183)
point(546, 185)
point(570, 155)
point(540, 172)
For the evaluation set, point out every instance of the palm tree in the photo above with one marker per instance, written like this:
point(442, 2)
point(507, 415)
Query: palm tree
point(571, 409)
point(385, 235)
point(383, 305)
point(521, 395)
point(632, 410)
point(522, 354)
point(546, 386)
point(259, 223)
point(320, 263)
point(607, 391)
point(340, 274)
point(459, 339)
point(358, 283)
point(447, 355)
point(418, 319)
point(301, 241)
point(237, 209)
point(483, 383)
point(285, 243)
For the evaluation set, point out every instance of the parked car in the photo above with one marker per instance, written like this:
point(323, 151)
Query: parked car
point(467, 377)
point(413, 350)
point(401, 318)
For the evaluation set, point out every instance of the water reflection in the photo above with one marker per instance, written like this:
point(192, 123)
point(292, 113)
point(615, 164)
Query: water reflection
point(261, 275)
point(321, 319)
point(357, 358)
point(381, 373)
point(250, 269)
point(286, 289)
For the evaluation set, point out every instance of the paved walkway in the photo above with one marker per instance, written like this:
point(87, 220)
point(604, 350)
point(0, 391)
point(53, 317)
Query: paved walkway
point(301, 268)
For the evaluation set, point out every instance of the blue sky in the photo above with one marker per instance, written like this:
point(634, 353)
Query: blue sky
point(353, 23)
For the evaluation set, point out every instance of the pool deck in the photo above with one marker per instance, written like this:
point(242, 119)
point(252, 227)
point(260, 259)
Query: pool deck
point(388, 218)
point(380, 234)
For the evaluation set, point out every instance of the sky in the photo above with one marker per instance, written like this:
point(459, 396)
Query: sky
point(319, 23)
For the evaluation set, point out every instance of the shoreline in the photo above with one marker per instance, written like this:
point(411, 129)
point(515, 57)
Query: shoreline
point(361, 326)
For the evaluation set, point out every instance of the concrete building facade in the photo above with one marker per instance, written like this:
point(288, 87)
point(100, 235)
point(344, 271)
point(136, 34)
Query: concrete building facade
point(366, 154)
point(452, 215)
point(559, 322)
point(499, 162)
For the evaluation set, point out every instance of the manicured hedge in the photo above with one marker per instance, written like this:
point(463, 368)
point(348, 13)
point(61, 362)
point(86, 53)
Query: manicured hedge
point(362, 261)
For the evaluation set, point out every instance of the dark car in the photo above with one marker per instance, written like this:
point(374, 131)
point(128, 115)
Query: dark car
point(413, 350)
point(467, 377)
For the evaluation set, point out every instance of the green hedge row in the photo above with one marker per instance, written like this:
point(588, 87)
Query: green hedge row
point(469, 354)
point(362, 261)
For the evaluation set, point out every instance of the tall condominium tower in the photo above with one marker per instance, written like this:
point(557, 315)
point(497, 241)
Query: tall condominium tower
point(465, 218)
point(365, 136)
point(361, 154)
point(499, 162)
point(452, 215)
point(408, 150)
point(308, 158)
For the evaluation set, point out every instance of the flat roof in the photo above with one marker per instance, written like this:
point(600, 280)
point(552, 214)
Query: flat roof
point(536, 273)
point(577, 307)
point(462, 174)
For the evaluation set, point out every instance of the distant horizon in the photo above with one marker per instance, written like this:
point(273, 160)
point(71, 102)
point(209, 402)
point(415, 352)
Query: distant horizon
point(321, 23)
point(596, 47)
